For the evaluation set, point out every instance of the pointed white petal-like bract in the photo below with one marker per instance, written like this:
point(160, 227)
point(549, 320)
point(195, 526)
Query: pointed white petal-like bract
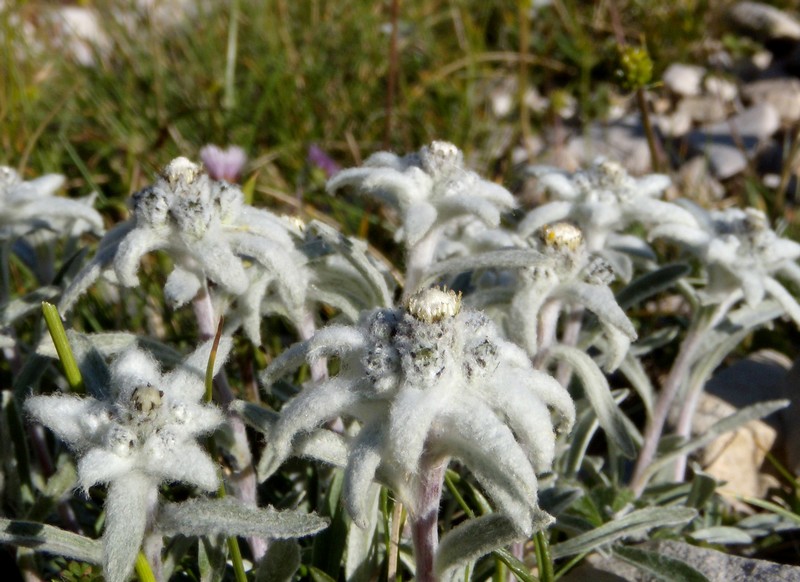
point(79, 422)
point(363, 460)
point(128, 506)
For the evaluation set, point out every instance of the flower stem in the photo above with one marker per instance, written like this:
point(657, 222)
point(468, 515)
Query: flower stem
point(229, 97)
point(65, 355)
point(242, 478)
point(425, 517)
point(143, 570)
point(706, 320)
point(419, 260)
point(543, 559)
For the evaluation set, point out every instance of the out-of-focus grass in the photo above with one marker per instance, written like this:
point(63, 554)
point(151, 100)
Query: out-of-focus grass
point(306, 72)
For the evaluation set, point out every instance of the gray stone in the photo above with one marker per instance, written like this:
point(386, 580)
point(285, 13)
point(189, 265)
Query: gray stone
point(721, 88)
point(783, 94)
point(728, 143)
point(738, 457)
point(704, 109)
point(791, 418)
point(764, 22)
point(714, 565)
point(675, 124)
point(685, 80)
point(696, 182)
point(623, 140)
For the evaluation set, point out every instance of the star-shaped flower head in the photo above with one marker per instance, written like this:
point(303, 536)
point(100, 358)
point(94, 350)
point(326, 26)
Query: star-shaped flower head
point(569, 275)
point(209, 233)
point(429, 188)
point(141, 433)
point(431, 381)
point(28, 206)
point(740, 251)
point(603, 201)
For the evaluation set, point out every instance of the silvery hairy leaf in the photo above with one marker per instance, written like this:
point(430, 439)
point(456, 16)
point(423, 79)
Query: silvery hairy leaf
point(732, 422)
point(51, 540)
point(596, 388)
point(230, 517)
point(475, 538)
point(657, 565)
point(633, 524)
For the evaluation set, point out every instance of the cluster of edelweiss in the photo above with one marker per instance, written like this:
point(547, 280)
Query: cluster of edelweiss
point(439, 374)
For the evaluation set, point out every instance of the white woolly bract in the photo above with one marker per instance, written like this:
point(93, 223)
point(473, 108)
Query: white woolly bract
point(739, 251)
point(210, 234)
point(32, 206)
point(430, 187)
point(144, 435)
point(444, 386)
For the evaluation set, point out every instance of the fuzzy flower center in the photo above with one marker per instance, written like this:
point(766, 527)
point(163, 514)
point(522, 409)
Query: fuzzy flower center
point(561, 236)
point(432, 305)
point(181, 170)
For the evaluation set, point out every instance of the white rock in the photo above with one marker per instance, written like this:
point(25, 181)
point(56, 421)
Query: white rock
point(683, 79)
point(729, 143)
point(783, 94)
point(704, 109)
point(764, 21)
point(721, 88)
point(738, 457)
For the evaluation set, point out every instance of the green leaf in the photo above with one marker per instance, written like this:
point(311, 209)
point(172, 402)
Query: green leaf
point(661, 567)
point(703, 487)
point(475, 538)
point(732, 422)
point(280, 562)
point(329, 546)
point(596, 389)
point(318, 575)
point(49, 539)
point(632, 368)
point(230, 517)
point(212, 558)
point(515, 566)
point(721, 535)
point(773, 507)
point(634, 523)
point(651, 283)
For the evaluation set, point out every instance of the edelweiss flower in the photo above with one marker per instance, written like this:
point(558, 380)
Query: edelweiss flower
point(603, 201)
point(526, 286)
point(740, 252)
point(27, 206)
point(141, 433)
point(430, 188)
point(569, 275)
point(209, 233)
point(428, 383)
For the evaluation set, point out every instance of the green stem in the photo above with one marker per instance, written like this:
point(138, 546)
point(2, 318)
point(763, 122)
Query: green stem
point(652, 143)
point(233, 543)
point(229, 98)
point(448, 480)
point(212, 356)
point(143, 570)
point(543, 559)
point(65, 355)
